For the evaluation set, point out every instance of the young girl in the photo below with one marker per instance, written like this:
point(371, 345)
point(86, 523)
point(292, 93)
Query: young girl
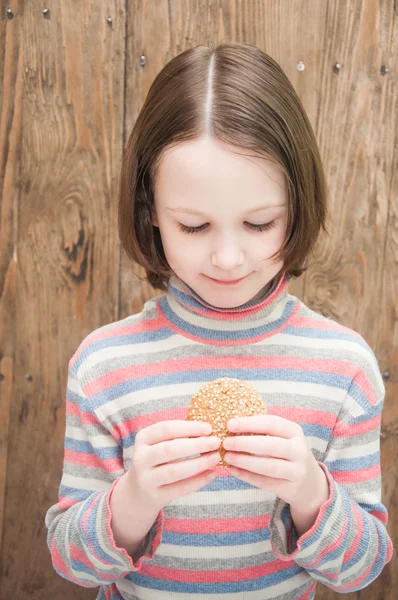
point(222, 199)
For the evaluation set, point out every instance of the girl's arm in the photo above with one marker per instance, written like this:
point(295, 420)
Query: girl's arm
point(80, 536)
point(348, 545)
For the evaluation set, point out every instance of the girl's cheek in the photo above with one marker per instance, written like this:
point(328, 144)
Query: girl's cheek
point(178, 255)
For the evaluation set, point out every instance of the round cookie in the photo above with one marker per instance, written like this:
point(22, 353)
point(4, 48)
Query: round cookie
point(221, 400)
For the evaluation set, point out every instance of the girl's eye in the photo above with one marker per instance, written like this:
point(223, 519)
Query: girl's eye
point(262, 227)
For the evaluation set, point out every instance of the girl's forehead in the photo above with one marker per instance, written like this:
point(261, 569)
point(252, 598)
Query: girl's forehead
point(199, 169)
point(205, 152)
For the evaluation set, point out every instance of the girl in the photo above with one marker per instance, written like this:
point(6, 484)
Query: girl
point(222, 199)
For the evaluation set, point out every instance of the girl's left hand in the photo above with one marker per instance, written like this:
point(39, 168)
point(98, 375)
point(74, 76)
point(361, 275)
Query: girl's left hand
point(284, 463)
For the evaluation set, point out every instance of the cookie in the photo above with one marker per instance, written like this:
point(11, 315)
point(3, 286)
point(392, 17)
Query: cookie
point(221, 400)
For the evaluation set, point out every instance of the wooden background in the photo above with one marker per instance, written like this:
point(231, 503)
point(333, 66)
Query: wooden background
point(72, 86)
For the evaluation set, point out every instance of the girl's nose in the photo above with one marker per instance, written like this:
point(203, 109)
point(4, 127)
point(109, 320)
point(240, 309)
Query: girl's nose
point(227, 257)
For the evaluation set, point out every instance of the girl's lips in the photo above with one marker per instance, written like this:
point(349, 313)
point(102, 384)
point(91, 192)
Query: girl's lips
point(232, 282)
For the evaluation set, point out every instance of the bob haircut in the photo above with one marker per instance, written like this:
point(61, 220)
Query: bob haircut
point(239, 95)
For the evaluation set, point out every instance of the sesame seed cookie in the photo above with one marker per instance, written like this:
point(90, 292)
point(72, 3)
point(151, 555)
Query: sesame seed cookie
point(221, 400)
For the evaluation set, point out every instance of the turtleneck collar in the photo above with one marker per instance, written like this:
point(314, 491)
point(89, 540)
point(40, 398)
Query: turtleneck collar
point(191, 316)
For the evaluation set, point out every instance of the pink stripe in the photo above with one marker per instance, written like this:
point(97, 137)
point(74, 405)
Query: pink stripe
point(85, 459)
point(353, 429)
point(96, 336)
point(357, 476)
point(124, 429)
point(87, 418)
point(181, 365)
point(72, 408)
point(321, 325)
point(303, 415)
point(381, 516)
point(220, 526)
point(65, 502)
point(216, 576)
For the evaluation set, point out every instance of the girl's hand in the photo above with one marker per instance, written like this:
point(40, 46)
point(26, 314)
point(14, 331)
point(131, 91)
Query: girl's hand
point(158, 473)
point(284, 463)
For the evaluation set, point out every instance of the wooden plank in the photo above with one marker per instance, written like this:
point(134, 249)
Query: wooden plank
point(68, 254)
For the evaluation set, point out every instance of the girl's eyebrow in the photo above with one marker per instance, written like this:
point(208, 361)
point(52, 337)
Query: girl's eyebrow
point(195, 212)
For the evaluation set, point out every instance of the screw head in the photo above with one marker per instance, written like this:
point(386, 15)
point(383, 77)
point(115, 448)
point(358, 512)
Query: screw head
point(300, 66)
point(142, 61)
point(109, 19)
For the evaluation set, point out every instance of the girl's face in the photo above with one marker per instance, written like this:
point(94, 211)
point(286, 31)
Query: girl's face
point(232, 197)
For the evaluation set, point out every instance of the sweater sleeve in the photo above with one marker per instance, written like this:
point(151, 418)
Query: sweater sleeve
point(79, 536)
point(348, 545)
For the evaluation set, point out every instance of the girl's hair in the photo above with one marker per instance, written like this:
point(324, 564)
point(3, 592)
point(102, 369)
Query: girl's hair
point(238, 95)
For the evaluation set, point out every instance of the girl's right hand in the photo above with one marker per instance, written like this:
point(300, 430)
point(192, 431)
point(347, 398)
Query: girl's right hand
point(158, 472)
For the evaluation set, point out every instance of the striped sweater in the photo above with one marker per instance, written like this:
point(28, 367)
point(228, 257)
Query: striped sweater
point(229, 539)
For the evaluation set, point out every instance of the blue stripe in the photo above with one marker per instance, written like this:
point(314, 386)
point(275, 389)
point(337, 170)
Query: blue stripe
point(145, 337)
point(226, 335)
point(104, 453)
point(326, 334)
point(201, 540)
point(332, 380)
point(353, 464)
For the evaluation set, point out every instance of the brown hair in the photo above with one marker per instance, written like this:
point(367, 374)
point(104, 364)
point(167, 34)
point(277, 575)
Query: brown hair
point(250, 104)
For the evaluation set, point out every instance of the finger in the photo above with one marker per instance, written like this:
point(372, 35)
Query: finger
point(174, 450)
point(170, 473)
point(268, 425)
point(270, 484)
point(270, 467)
point(169, 430)
point(261, 445)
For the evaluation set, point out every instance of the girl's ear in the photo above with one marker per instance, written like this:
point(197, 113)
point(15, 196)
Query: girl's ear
point(154, 219)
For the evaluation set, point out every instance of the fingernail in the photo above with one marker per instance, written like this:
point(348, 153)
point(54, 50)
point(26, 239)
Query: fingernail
point(233, 424)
